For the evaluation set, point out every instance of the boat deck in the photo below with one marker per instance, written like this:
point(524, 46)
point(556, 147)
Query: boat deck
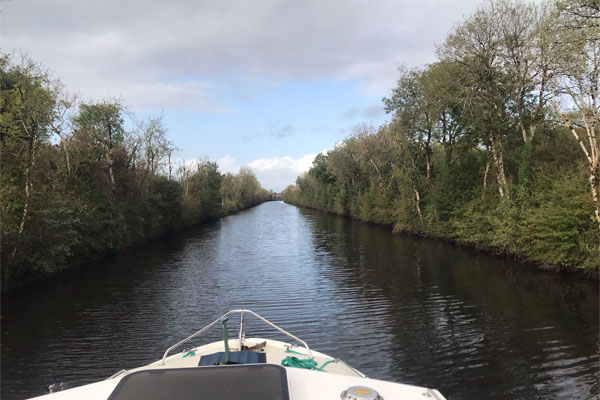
point(302, 384)
point(275, 351)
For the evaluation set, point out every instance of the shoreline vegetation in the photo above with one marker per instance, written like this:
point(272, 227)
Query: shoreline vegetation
point(493, 146)
point(567, 271)
point(85, 179)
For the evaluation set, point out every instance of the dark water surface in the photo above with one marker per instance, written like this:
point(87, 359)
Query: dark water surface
point(397, 308)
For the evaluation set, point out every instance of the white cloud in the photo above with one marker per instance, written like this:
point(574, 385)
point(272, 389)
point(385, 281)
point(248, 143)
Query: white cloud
point(228, 164)
point(157, 96)
point(147, 43)
point(273, 173)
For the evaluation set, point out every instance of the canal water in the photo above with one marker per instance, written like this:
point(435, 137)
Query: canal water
point(397, 308)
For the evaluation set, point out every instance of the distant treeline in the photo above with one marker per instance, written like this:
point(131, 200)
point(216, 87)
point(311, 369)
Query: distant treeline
point(493, 145)
point(78, 181)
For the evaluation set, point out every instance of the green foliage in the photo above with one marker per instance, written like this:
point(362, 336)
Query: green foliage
point(561, 230)
point(103, 122)
point(472, 153)
point(202, 199)
point(241, 191)
point(555, 225)
point(102, 188)
point(164, 207)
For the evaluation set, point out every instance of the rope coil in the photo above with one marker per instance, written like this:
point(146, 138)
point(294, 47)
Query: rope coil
point(295, 362)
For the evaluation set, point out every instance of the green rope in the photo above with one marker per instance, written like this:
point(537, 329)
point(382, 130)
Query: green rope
point(288, 350)
point(295, 362)
point(298, 363)
point(325, 364)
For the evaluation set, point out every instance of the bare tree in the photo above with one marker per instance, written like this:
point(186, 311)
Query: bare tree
point(62, 124)
point(575, 83)
point(156, 147)
point(476, 45)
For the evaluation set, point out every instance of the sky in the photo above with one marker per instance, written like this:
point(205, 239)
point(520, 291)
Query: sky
point(266, 84)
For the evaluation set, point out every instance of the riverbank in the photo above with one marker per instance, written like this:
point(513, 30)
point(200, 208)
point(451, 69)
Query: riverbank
point(544, 216)
point(589, 273)
point(34, 278)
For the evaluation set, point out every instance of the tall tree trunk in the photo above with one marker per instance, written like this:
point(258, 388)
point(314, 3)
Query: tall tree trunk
point(485, 175)
point(429, 173)
point(498, 156)
point(592, 154)
point(595, 194)
point(110, 161)
point(170, 165)
point(28, 185)
point(8, 272)
point(417, 200)
point(379, 179)
point(446, 139)
point(111, 173)
point(63, 144)
point(428, 169)
point(524, 173)
point(428, 152)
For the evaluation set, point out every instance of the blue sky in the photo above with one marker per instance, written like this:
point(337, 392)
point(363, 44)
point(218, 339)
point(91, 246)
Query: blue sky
point(294, 117)
point(266, 83)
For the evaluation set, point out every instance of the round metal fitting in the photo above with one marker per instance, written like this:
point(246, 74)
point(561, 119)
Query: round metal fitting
point(360, 393)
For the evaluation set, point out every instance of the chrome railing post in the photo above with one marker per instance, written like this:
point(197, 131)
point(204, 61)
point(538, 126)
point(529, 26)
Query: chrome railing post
point(241, 328)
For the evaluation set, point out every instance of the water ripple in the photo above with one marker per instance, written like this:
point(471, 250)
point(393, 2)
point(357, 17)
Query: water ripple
point(396, 308)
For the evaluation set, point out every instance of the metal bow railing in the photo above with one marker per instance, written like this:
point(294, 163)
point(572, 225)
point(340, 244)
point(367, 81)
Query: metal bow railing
point(240, 311)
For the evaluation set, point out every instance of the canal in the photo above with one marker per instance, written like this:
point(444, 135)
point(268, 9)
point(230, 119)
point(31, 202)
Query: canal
point(398, 308)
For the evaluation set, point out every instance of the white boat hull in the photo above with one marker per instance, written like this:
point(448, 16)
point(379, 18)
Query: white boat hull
point(305, 375)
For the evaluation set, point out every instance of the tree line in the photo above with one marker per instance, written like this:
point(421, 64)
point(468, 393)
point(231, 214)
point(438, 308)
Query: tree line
point(81, 179)
point(493, 145)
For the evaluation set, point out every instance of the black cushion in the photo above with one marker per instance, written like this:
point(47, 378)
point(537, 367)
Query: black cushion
point(235, 357)
point(234, 382)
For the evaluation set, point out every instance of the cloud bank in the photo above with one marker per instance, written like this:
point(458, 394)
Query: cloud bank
point(159, 46)
point(274, 173)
